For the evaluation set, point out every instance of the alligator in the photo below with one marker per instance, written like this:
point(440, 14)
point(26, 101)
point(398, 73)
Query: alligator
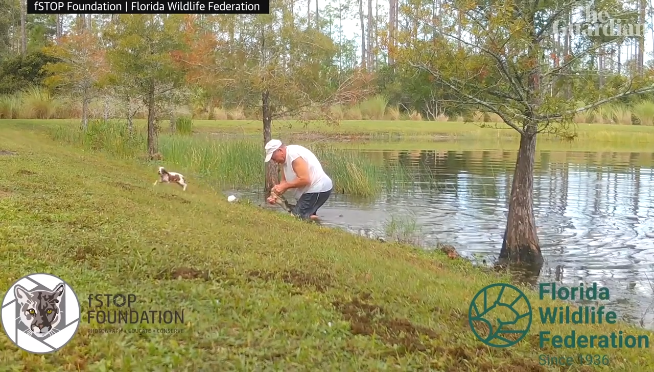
point(282, 202)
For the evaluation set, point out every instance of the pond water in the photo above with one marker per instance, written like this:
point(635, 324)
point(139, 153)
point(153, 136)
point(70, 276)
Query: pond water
point(593, 212)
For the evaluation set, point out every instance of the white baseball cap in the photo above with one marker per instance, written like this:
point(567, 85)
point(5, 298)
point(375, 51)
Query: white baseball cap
point(272, 146)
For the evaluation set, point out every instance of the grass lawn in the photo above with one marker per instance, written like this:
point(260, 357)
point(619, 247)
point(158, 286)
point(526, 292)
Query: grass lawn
point(274, 293)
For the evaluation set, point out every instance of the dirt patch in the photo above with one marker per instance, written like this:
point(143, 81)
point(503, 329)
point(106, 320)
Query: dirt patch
point(124, 186)
point(175, 197)
point(4, 194)
point(187, 273)
point(298, 279)
point(80, 254)
point(405, 337)
point(514, 365)
point(25, 172)
point(369, 319)
point(7, 153)
point(85, 252)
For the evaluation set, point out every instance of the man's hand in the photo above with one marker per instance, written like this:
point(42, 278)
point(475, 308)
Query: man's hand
point(271, 200)
point(281, 188)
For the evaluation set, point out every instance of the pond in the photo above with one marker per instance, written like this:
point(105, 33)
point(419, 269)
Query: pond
point(593, 212)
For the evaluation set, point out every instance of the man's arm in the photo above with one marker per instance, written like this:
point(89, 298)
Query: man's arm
point(301, 169)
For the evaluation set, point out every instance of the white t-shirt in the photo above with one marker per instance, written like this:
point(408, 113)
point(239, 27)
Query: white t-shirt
point(320, 181)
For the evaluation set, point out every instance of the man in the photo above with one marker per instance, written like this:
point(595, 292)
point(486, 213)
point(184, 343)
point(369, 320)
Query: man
point(301, 171)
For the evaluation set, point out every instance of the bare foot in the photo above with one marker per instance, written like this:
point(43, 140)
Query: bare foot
point(314, 217)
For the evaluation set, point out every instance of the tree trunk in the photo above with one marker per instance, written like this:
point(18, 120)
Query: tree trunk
point(370, 28)
point(375, 35)
point(520, 245)
point(23, 32)
point(152, 122)
point(130, 123)
point(85, 112)
point(600, 64)
point(391, 32)
point(106, 109)
point(172, 121)
point(363, 35)
point(271, 169)
point(308, 14)
point(641, 38)
point(59, 26)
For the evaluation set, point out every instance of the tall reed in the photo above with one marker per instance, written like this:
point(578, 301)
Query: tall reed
point(111, 136)
point(234, 163)
point(351, 172)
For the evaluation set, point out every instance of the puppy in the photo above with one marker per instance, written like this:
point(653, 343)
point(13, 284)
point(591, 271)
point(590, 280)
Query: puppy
point(171, 177)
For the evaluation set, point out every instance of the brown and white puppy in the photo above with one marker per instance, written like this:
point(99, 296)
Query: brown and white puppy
point(171, 177)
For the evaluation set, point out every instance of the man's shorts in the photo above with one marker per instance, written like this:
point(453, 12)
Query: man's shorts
point(309, 203)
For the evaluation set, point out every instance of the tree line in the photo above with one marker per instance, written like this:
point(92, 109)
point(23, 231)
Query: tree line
point(299, 34)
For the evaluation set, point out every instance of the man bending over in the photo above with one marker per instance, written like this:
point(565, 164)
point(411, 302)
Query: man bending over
point(301, 171)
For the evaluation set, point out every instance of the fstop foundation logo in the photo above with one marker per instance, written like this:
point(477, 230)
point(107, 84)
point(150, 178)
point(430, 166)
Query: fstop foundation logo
point(40, 313)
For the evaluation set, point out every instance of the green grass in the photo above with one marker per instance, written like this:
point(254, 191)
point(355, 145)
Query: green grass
point(278, 293)
point(184, 125)
point(403, 229)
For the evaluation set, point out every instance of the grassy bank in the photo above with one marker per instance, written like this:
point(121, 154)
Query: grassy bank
point(280, 294)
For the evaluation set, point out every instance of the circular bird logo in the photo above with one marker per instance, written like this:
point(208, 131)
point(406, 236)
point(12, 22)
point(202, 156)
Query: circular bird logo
point(500, 315)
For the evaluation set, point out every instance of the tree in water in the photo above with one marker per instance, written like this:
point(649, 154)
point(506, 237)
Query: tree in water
point(513, 67)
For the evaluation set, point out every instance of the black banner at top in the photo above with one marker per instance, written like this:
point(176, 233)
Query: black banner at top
point(149, 7)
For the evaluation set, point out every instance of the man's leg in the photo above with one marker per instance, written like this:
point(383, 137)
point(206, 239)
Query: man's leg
point(305, 205)
point(309, 203)
point(322, 198)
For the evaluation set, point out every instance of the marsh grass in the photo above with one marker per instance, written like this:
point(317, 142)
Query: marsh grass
point(38, 103)
point(9, 106)
point(184, 125)
point(110, 136)
point(644, 111)
point(233, 163)
point(374, 108)
point(404, 228)
point(351, 172)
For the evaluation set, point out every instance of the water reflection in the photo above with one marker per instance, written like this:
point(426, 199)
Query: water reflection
point(593, 213)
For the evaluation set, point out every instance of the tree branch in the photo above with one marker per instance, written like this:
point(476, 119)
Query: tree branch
point(503, 68)
point(628, 92)
point(506, 119)
point(549, 22)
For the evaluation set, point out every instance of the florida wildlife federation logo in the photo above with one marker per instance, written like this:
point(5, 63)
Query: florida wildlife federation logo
point(500, 315)
point(40, 313)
